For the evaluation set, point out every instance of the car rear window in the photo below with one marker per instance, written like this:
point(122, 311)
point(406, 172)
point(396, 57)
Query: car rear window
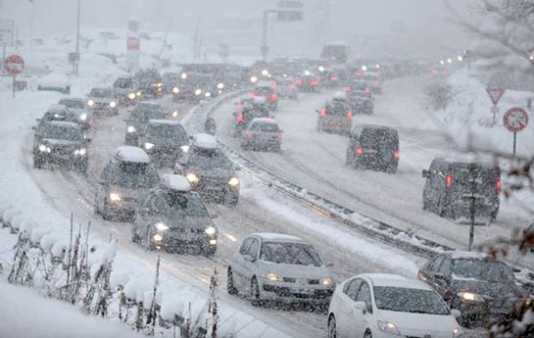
point(263, 90)
point(265, 127)
point(337, 109)
point(480, 178)
point(379, 138)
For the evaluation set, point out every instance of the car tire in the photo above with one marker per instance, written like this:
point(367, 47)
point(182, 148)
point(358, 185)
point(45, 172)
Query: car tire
point(105, 212)
point(135, 236)
point(349, 158)
point(37, 163)
point(332, 329)
point(230, 287)
point(255, 299)
point(319, 127)
point(367, 334)
point(209, 251)
point(82, 167)
point(392, 168)
point(234, 201)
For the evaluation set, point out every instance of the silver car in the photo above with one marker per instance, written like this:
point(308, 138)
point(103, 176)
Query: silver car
point(262, 133)
point(103, 100)
point(279, 267)
point(124, 182)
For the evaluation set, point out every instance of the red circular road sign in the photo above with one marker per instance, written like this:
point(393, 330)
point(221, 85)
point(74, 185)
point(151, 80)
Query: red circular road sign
point(515, 119)
point(14, 64)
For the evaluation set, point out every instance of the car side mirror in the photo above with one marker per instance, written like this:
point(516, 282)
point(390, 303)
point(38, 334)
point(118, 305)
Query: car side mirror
point(362, 306)
point(214, 216)
point(38, 120)
point(425, 173)
point(34, 128)
point(457, 314)
point(237, 168)
point(87, 140)
point(440, 276)
point(102, 182)
point(329, 265)
point(249, 258)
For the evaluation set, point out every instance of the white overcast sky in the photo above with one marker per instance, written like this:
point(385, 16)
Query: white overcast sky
point(394, 27)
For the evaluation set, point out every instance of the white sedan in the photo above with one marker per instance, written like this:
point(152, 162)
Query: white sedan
point(279, 267)
point(381, 305)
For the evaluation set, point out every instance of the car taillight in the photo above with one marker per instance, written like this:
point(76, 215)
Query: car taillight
point(376, 82)
point(273, 85)
point(396, 155)
point(357, 73)
point(279, 136)
point(333, 78)
point(323, 112)
point(299, 82)
point(498, 186)
point(250, 135)
point(251, 94)
point(448, 180)
point(272, 97)
point(239, 118)
point(349, 114)
point(347, 89)
point(358, 150)
point(239, 107)
point(292, 86)
point(314, 83)
point(367, 90)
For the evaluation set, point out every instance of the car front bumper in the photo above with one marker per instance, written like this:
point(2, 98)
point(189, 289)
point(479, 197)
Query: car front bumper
point(291, 293)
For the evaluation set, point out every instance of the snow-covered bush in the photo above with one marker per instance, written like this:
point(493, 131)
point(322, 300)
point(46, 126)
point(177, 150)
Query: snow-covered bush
point(439, 94)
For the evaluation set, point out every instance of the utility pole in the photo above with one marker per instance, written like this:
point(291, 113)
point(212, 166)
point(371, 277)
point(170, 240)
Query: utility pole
point(473, 171)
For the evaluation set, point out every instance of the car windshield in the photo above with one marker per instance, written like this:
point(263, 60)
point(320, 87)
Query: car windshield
point(263, 91)
point(75, 104)
point(54, 132)
point(265, 127)
point(172, 77)
point(210, 161)
point(166, 133)
point(133, 175)
point(409, 300)
point(150, 111)
point(101, 92)
point(123, 83)
point(290, 253)
point(184, 205)
point(483, 270)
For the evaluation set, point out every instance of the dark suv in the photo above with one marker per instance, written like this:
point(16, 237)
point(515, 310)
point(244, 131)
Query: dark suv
point(209, 171)
point(452, 186)
point(481, 288)
point(373, 147)
point(138, 120)
point(174, 218)
point(164, 141)
point(61, 143)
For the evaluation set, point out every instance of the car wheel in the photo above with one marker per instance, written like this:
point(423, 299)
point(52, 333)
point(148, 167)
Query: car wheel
point(82, 167)
point(135, 236)
point(425, 204)
point(234, 201)
point(368, 334)
point(209, 251)
point(37, 162)
point(105, 212)
point(392, 168)
point(349, 158)
point(255, 299)
point(319, 127)
point(332, 330)
point(230, 287)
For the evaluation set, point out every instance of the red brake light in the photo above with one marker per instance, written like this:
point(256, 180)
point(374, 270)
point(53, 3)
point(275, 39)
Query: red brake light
point(279, 136)
point(358, 151)
point(273, 85)
point(349, 114)
point(376, 82)
point(292, 86)
point(272, 97)
point(367, 90)
point(333, 78)
point(448, 180)
point(299, 82)
point(314, 83)
point(498, 185)
point(323, 112)
point(240, 118)
point(250, 135)
point(397, 155)
point(251, 94)
point(239, 107)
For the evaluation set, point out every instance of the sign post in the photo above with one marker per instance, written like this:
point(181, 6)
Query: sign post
point(495, 95)
point(6, 38)
point(14, 65)
point(291, 10)
point(515, 120)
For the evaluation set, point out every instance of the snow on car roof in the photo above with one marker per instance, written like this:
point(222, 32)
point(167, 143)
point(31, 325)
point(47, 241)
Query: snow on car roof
point(205, 141)
point(150, 103)
point(266, 120)
point(468, 255)
point(132, 154)
point(57, 107)
point(175, 182)
point(159, 121)
point(275, 237)
point(64, 124)
point(384, 279)
point(485, 160)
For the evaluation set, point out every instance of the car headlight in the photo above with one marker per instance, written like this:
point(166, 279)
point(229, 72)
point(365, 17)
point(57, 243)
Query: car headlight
point(388, 327)
point(113, 104)
point(213, 241)
point(90, 103)
point(474, 297)
point(114, 197)
point(158, 237)
point(149, 145)
point(159, 84)
point(80, 152)
point(175, 113)
point(198, 92)
point(208, 94)
point(83, 116)
point(161, 227)
point(273, 277)
point(185, 148)
point(42, 148)
point(457, 333)
point(192, 177)
point(234, 182)
point(220, 85)
point(176, 90)
point(130, 129)
point(138, 94)
point(131, 96)
point(211, 230)
point(326, 281)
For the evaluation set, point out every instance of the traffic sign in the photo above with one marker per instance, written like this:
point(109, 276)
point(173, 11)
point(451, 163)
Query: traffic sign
point(495, 94)
point(290, 4)
point(289, 15)
point(6, 32)
point(14, 64)
point(515, 119)
point(133, 43)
